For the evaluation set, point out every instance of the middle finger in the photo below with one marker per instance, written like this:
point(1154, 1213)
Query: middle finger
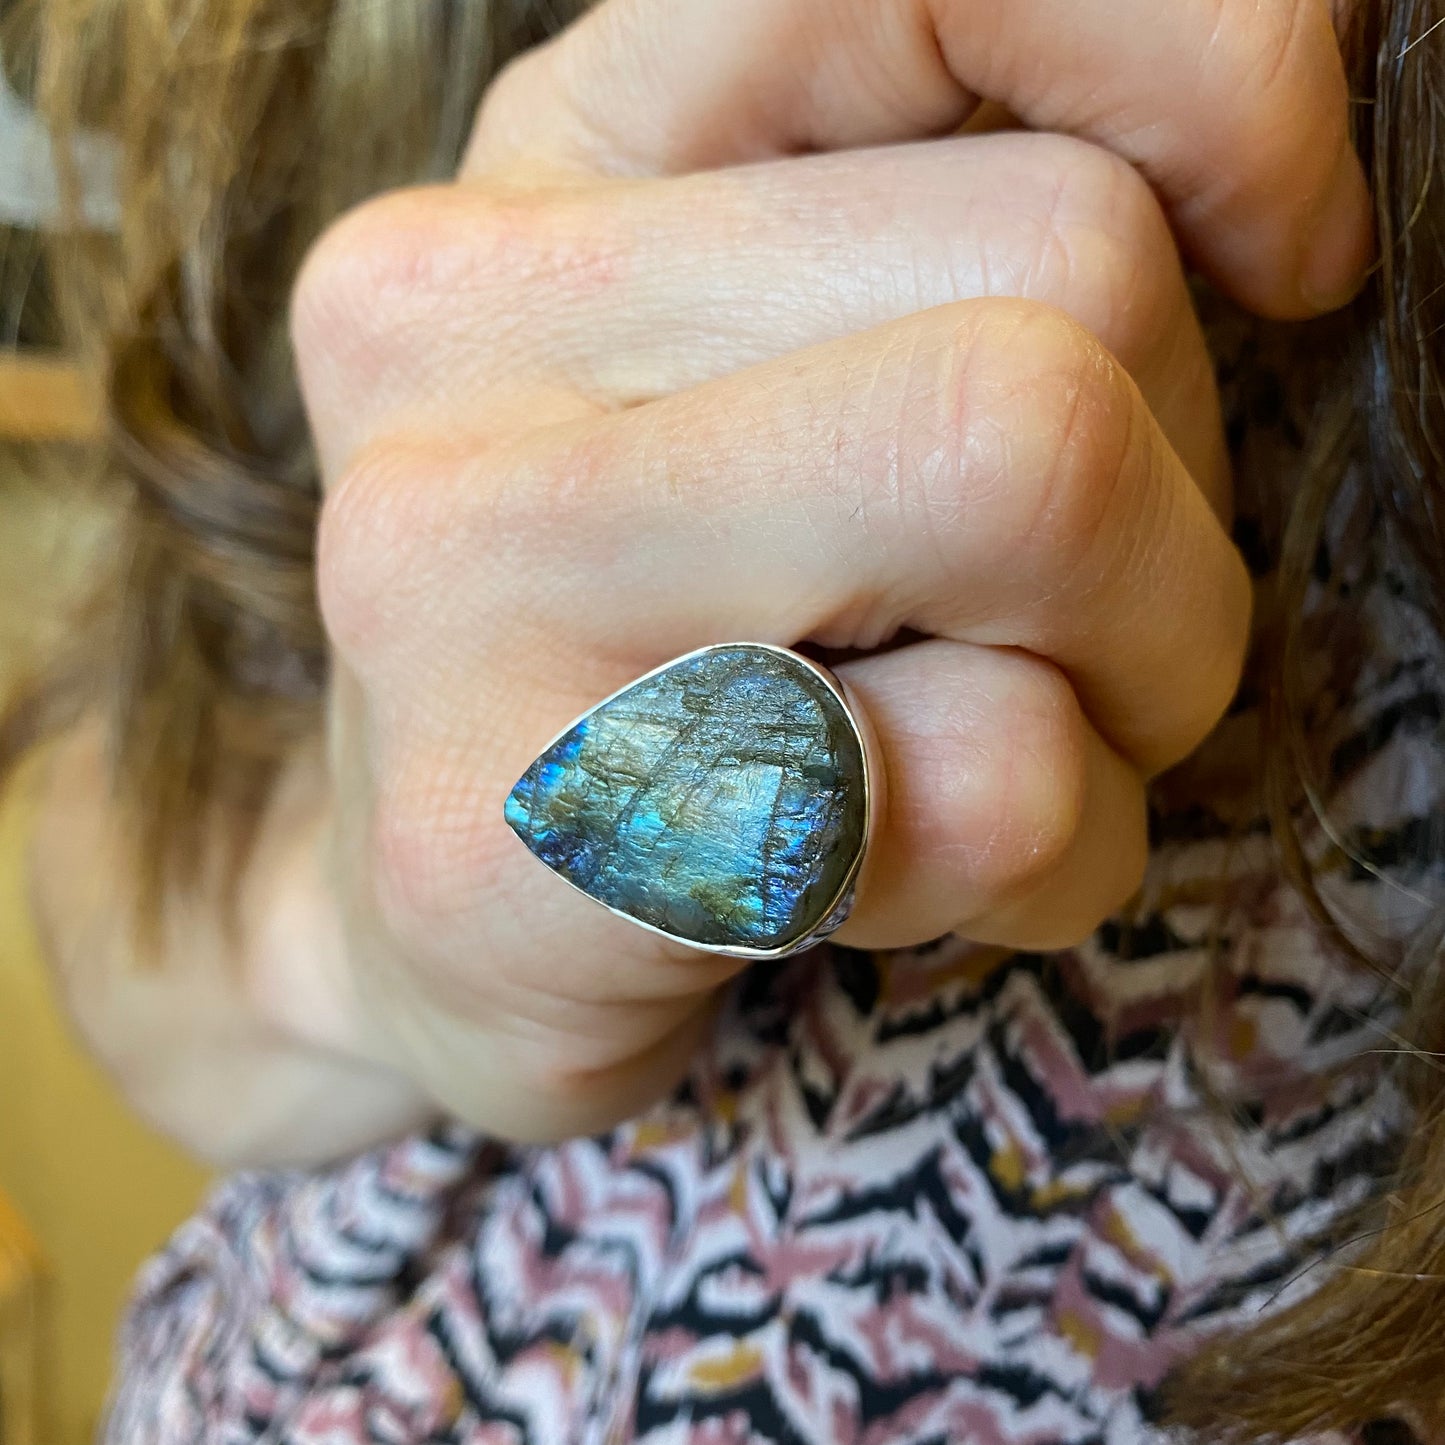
point(984, 471)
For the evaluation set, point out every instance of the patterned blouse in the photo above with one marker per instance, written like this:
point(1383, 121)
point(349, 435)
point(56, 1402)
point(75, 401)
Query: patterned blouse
point(935, 1195)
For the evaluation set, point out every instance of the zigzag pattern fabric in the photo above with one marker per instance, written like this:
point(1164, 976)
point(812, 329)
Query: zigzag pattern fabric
point(941, 1195)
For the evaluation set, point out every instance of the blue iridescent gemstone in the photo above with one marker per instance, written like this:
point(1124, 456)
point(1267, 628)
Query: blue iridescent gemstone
point(721, 799)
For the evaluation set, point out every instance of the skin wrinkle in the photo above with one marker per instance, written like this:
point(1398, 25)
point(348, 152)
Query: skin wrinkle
point(1085, 495)
point(831, 265)
point(943, 476)
point(898, 106)
point(418, 283)
point(1089, 532)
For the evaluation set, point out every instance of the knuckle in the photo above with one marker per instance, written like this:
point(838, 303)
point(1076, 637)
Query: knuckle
point(1107, 247)
point(365, 545)
point(365, 268)
point(560, 498)
point(1068, 915)
point(1035, 789)
point(1068, 411)
point(1084, 421)
point(1018, 424)
point(456, 266)
point(418, 529)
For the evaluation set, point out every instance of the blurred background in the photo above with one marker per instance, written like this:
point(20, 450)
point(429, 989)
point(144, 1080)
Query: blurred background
point(86, 1192)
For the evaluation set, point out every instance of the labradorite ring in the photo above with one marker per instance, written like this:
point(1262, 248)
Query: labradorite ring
point(724, 800)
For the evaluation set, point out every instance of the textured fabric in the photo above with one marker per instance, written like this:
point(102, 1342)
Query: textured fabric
point(940, 1195)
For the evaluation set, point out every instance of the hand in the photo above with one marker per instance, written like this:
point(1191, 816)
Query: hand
point(575, 423)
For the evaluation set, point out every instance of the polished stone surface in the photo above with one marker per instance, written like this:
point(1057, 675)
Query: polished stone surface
point(720, 800)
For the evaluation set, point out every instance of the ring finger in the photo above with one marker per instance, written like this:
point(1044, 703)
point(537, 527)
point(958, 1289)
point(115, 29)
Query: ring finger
point(1009, 818)
point(1006, 817)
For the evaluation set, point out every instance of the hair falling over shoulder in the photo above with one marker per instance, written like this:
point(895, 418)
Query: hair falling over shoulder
point(1370, 1343)
point(243, 128)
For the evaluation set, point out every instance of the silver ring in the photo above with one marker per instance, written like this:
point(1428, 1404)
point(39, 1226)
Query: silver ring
point(724, 800)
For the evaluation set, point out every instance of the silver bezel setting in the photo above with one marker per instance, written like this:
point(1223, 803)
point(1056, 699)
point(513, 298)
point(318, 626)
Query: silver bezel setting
point(841, 904)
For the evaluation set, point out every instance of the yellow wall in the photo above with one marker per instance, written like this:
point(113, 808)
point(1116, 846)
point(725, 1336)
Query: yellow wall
point(99, 1190)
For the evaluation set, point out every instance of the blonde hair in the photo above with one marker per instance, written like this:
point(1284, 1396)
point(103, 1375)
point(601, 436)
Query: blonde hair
point(244, 127)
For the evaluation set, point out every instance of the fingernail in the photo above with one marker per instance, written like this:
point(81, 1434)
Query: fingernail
point(1338, 244)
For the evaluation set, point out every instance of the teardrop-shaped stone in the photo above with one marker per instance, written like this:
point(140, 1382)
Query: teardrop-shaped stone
point(720, 799)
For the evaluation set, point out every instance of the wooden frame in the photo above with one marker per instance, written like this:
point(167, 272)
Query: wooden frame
point(43, 399)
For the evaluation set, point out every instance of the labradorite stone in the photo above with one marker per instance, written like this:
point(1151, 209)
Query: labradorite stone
point(720, 800)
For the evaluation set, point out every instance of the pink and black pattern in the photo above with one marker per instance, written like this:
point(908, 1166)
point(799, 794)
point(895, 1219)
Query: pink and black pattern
point(939, 1195)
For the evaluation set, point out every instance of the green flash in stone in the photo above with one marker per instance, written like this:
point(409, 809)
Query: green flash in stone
point(721, 800)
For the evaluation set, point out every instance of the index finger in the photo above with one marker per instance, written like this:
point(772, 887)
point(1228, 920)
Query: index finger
point(1236, 110)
